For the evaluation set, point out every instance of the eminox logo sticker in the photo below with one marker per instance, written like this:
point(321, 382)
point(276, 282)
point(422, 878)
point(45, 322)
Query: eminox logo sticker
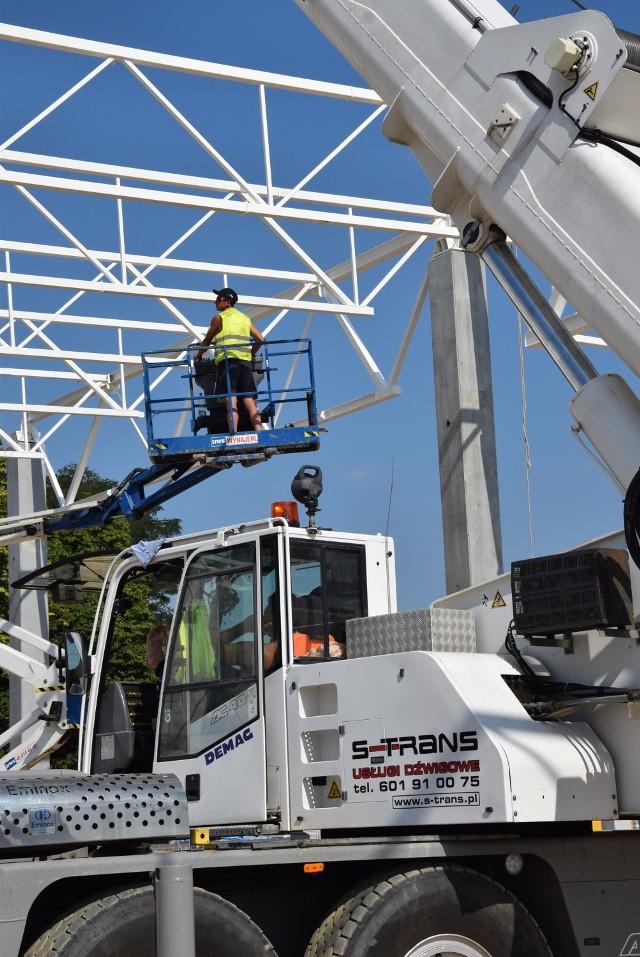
point(249, 439)
point(414, 744)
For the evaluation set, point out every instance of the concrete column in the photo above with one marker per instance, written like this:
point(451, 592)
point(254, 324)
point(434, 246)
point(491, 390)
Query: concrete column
point(464, 414)
point(27, 608)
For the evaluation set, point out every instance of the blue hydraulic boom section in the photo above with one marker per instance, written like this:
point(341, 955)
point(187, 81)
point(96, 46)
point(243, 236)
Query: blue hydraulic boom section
point(189, 412)
point(137, 493)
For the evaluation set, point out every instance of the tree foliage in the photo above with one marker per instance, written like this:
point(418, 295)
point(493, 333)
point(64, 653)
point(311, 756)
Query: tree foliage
point(148, 599)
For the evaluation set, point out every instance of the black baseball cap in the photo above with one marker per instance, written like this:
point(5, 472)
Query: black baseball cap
point(229, 294)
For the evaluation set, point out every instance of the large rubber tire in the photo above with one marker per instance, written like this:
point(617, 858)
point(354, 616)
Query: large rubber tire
point(447, 911)
point(123, 925)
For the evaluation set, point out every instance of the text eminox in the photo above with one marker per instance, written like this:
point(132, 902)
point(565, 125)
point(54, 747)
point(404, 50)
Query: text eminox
point(416, 744)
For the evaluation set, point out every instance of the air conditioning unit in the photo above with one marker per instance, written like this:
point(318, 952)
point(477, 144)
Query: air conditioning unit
point(572, 591)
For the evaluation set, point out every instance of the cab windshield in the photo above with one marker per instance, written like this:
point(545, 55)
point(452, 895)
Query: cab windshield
point(219, 633)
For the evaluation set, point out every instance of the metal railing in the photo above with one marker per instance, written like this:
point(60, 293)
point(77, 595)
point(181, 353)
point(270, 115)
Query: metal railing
point(184, 396)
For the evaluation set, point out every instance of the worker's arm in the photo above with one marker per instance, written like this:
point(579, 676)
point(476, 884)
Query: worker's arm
point(258, 339)
point(212, 331)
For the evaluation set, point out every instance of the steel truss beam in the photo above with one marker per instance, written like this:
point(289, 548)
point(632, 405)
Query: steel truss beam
point(61, 364)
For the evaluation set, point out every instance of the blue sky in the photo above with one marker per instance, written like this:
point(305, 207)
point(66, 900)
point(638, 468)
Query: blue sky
point(376, 464)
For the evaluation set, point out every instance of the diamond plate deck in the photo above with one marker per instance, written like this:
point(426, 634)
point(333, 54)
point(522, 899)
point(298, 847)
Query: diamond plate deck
point(426, 629)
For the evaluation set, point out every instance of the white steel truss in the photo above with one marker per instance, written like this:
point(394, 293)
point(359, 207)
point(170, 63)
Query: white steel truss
point(59, 364)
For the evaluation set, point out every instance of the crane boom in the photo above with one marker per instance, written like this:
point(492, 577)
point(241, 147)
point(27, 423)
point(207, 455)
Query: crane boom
point(528, 131)
point(508, 139)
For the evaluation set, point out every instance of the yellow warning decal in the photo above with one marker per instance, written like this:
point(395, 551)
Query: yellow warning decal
point(591, 90)
point(334, 792)
point(498, 601)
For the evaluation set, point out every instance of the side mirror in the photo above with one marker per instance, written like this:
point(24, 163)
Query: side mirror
point(75, 673)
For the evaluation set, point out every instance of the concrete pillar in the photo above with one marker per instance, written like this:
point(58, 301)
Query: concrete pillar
point(27, 608)
point(464, 414)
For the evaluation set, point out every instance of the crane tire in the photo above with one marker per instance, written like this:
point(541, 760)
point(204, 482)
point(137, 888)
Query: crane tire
point(123, 924)
point(449, 911)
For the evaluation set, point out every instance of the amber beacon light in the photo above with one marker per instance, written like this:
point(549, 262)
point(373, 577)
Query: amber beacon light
point(288, 510)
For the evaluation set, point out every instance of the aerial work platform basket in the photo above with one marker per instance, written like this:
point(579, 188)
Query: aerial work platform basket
point(188, 405)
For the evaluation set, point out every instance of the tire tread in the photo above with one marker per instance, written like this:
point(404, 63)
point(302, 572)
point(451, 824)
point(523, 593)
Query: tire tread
point(67, 937)
point(337, 932)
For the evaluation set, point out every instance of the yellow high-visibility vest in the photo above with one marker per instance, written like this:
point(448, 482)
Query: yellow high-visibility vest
point(195, 651)
point(235, 335)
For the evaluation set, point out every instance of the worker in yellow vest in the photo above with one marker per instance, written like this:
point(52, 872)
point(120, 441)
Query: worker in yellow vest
point(194, 658)
point(236, 341)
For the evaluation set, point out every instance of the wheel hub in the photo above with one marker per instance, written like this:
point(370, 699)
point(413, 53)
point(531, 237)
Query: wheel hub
point(447, 945)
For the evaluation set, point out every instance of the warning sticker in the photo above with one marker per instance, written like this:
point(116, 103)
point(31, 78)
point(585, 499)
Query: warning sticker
point(591, 90)
point(334, 792)
point(498, 601)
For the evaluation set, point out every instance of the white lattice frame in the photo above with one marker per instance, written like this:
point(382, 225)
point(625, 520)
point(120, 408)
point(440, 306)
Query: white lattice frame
point(404, 228)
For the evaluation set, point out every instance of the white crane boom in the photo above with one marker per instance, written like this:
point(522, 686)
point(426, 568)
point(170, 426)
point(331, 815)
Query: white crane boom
point(531, 128)
point(469, 91)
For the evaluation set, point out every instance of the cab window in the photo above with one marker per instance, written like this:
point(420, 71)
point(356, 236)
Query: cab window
point(211, 686)
point(328, 587)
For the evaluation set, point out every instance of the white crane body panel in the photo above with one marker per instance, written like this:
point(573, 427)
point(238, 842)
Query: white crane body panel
point(457, 748)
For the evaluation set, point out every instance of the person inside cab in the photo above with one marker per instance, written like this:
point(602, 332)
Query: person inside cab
point(308, 638)
point(156, 646)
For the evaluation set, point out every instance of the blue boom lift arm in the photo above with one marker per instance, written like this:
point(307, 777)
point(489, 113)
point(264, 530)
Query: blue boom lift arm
point(181, 458)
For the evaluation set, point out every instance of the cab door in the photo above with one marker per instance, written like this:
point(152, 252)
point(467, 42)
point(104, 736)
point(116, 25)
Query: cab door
point(211, 730)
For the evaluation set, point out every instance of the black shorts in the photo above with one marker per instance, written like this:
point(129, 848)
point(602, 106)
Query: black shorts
point(240, 378)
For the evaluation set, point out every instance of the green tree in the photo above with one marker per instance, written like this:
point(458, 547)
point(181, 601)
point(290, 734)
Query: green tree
point(149, 600)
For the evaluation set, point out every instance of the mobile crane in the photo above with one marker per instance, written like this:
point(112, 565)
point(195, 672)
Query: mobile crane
point(462, 780)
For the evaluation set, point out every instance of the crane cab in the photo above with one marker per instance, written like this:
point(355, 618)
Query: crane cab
point(250, 604)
